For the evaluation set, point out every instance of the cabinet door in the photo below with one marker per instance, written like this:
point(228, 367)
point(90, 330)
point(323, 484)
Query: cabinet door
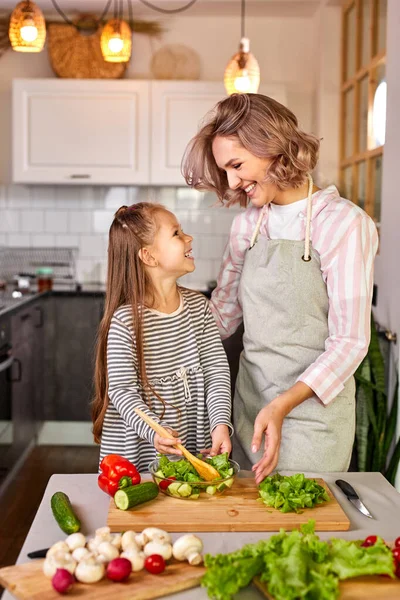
point(178, 108)
point(80, 131)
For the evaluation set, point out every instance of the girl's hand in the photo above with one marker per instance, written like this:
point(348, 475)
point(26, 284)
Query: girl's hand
point(221, 442)
point(166, 445)
point(268, 422)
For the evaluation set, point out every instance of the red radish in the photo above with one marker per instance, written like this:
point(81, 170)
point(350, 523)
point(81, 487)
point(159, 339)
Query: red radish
point(154, 564)
point(396, 555)
point(397, 543)
point(62, 581)
point(164, 483)
point(397, 571)
point(369, 541)
point(119, 569)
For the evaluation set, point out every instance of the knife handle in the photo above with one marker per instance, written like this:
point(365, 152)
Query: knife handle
point(38, 553)
point(347, 489)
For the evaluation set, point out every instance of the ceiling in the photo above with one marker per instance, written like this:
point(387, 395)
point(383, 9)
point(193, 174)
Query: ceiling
point(273, 8)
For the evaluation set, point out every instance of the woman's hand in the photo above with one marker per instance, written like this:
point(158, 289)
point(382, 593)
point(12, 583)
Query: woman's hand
point(269, 422)
point(166, 445)
point(221, 442)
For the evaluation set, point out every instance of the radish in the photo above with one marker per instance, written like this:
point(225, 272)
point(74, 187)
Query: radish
point(119, 569)
point(62, 580)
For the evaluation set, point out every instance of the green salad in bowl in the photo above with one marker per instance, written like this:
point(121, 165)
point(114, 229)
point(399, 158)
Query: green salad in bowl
point(178, 478)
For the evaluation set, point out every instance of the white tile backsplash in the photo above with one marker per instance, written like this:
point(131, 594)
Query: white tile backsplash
point(80, 217)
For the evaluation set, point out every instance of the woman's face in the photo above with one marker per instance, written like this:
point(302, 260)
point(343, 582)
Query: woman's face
point(244, 170)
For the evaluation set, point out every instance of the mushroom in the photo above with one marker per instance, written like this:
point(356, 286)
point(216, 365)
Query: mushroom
point(150, 534)
point(103, 534)
point(57, 547)
point(158, 547)
point(75, 540)
point(89, 570)
point(58, 560)
point(80, 553)
point(135, 557)
point(188, 547)
point(106, 552)
point(116, 540)
point(129, 539)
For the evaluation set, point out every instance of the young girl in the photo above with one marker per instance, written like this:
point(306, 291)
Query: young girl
point(158, 348)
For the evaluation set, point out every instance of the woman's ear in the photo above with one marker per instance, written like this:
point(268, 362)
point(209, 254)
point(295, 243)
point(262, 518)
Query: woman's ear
point(147, 258)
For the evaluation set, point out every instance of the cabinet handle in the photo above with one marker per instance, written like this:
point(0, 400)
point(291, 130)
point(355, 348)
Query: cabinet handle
point(40, 322)
point(77, 176)
point(19, 372)
point(6, 364)
point(25, 316)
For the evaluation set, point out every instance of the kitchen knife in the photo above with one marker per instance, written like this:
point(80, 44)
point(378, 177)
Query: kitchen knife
point(38, 553)
point(353, 497)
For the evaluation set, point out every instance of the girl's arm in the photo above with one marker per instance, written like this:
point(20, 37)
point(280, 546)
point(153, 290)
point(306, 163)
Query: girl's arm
point(224, 300)
point(349, 280)
point(123, 388)
point(217, 379)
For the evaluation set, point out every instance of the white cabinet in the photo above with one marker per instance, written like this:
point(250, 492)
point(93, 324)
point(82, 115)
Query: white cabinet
point(177, 110)
point(115, 132)
point(80, 131)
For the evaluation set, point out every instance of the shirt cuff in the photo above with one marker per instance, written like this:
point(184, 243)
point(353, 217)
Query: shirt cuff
point(324, 382)
point(227, 423)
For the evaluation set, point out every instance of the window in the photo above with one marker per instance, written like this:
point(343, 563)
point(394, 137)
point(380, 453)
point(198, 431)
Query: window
point(363, 102)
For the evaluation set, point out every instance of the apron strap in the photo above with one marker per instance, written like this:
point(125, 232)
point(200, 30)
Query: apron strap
point(306, 256)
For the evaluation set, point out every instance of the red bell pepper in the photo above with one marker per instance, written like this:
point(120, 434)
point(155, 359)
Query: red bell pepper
point(117, 472)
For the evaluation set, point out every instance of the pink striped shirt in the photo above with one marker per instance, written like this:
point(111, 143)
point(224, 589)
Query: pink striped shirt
point(346, 240)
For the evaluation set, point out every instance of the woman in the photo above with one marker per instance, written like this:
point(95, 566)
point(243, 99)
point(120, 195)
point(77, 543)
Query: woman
point(298, 271)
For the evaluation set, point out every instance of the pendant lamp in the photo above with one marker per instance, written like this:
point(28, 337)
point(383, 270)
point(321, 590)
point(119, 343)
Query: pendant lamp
point(27, 30)
point(242, 74)
point(116, 38)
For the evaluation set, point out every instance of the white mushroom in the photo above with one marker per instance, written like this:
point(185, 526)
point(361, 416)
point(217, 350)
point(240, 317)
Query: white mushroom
point(75, 540)
point(80, 553)
point(107, 552)
point(136, 558)
point(158, 547)
point(188, 547)
point(151, 533)
point(89, 570)
point(103, 534)
point(57, 547)
point(129, 539)
point(116, 540)
point(58, 560)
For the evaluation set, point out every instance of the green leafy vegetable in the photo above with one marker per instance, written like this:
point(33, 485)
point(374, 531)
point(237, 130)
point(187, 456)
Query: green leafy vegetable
point(184, 471)
point(296, 565)
point(291, 494)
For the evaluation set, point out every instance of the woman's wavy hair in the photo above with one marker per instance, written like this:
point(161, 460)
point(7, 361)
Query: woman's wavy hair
point(128, 282)
point(265, 128)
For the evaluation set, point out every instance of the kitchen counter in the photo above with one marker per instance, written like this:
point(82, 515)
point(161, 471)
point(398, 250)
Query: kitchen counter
point(91, 505)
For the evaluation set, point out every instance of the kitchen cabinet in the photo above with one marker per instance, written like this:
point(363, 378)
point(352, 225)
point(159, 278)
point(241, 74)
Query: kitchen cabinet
point(80, 131)
point(91, 132)
point(69, 359)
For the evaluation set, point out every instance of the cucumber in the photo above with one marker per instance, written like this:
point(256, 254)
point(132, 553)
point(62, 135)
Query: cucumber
point(185, 490)
point(173, 489)
point(135, 494)
point(211, 489)
point(64, 513)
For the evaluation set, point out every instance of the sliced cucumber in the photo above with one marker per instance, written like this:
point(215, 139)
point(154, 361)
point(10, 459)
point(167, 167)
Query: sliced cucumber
point(135, 494)
point(185, 490)
point(211, 489)
point(173, 489)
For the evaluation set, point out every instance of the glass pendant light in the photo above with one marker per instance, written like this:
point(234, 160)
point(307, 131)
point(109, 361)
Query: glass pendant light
point(27, 30)
point(116, 37)
point(242, 74)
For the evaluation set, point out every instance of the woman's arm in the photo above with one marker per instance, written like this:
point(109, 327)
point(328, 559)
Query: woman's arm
point(224, 300)
point(123, 389)
point(348, 271)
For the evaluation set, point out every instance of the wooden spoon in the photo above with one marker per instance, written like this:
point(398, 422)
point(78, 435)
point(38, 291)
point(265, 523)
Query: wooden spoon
point(205, 470)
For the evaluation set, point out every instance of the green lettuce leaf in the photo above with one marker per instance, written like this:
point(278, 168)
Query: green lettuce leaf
point(350, 559)
point(291, 493)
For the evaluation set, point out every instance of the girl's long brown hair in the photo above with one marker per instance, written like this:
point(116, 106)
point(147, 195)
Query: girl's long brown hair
point(133, 228)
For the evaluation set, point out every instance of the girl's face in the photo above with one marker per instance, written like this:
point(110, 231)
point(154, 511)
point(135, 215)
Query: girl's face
point(244, 170)
point(171, 248)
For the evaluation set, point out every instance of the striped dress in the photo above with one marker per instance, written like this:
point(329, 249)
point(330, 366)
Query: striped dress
point(187, 366)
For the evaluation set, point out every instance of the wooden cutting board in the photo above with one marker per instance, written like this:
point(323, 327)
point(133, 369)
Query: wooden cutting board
point(27, 582)
point(235, 510)
point(359, 588)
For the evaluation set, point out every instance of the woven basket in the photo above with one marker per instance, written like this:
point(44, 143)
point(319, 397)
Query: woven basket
point(79, 56)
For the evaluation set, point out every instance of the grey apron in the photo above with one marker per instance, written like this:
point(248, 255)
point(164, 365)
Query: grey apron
point(285, 313)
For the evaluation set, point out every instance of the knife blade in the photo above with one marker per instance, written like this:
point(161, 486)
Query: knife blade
point(38, 553)
point(353, 497)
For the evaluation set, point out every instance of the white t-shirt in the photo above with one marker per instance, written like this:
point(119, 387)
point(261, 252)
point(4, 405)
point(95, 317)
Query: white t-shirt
point(285, 220)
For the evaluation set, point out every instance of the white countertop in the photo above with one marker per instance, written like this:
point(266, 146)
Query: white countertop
point(91, 505)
